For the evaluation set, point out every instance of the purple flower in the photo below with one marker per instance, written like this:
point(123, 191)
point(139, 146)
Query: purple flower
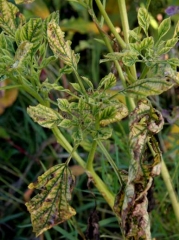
point(172, 10)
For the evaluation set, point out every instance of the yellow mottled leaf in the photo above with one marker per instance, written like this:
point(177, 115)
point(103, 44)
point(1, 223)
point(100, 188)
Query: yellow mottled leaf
point(45, 116)
point(51, 206)
point(59, 46)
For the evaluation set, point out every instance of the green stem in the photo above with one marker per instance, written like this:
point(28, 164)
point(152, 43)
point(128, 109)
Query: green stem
point(110, 25)
point(125, 28)
point(110, 160)
point(65, 144)
point(81, 84)
point(100, 185)
point(33, 93)
point(144, 72)
point(174, 201)
point(91, 155)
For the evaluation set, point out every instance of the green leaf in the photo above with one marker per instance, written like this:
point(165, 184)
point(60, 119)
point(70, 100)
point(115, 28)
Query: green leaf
point(107, 82)
point(173, 61)
point(22, 53)
point(134, 35)
point(45, 116)
point(32, 32)
point(59, 46)
point(23, 1)
point(88, 82)
point(10, 18)
point(81, 104)
point(169, 44)
point(144, 19)
point(63, 104)
point(3, 43)
point(148, 87)
point(46, 61)
point(164, 28)
point(51, 206)
point(176, 32)
point(65, 70)
point(103, 134)
point(6, 61)
point(76, 86)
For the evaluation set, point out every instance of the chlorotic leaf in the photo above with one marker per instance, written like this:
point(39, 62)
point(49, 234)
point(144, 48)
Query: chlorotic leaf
point(63, 104)
point(103, 134)
point(148, 87)
point(77, 134)
point(164, 28)
point(53, 16)
point(31, 31)
point(22, 53)
point(167, 46)
point(146, 43)
point(51, 206)
point(107, 82)
point(66, 123)
point(59, 46)
point(10, 17)
point(45, 116)
point(130, 60)
point(144, 19)
point(113, 114)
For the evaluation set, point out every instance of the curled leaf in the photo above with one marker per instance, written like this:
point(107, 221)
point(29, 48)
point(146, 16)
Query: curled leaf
point(132, 201)
point(51, 206)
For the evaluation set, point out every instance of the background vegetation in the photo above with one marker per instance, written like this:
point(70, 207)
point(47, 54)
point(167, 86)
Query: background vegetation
point(27, 149)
